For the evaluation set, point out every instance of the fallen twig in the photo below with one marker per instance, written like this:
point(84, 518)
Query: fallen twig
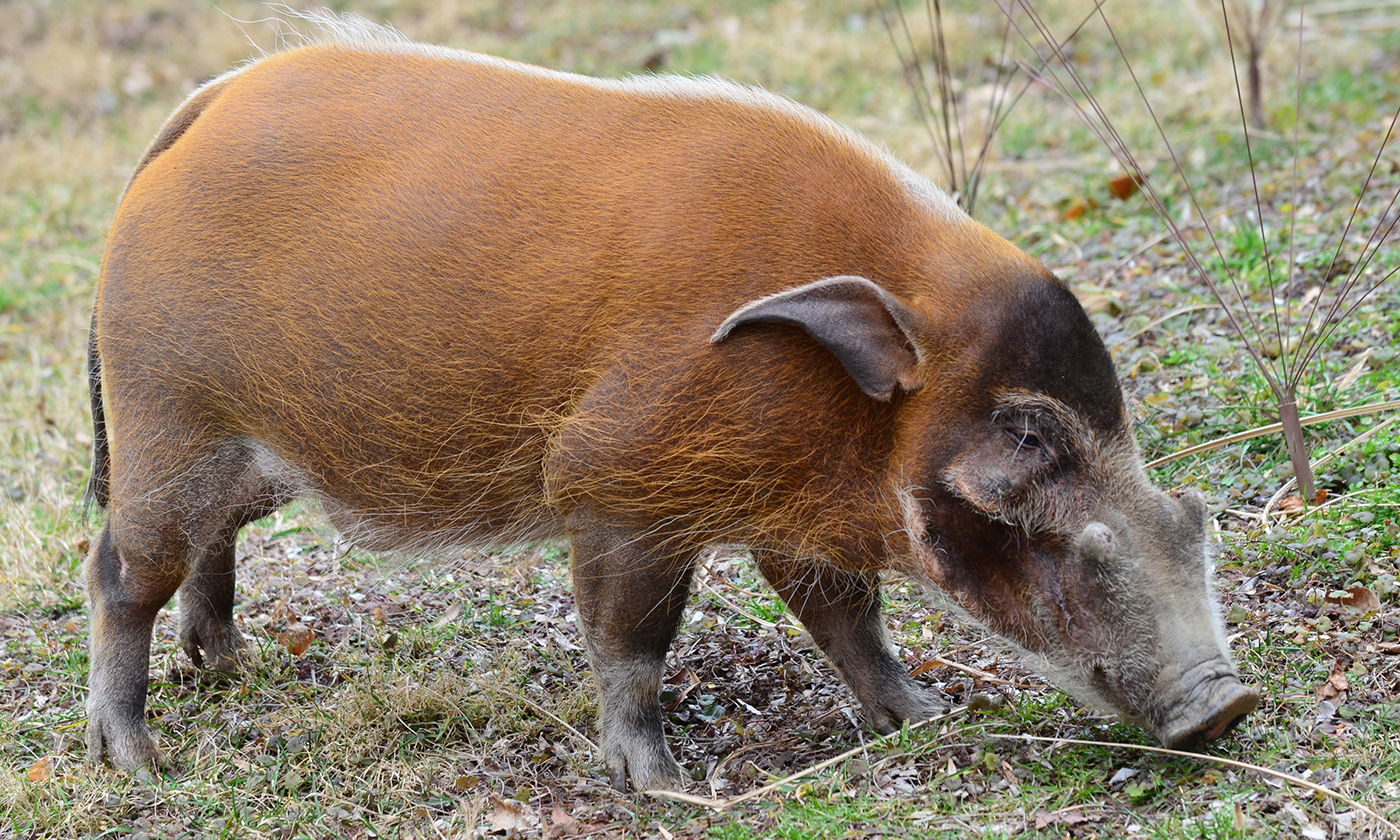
point(1274, 428)
point(719, 805)
point(984, 676)
point(1228, 762)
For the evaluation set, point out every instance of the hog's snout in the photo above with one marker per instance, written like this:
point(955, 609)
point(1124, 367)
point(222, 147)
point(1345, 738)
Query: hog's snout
point(1209, 702)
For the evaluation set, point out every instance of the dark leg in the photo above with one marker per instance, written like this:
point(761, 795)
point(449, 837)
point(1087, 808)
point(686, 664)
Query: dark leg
point(841, 610)
point(172, 520)
point(631, 588)
point(123, 598)
point(207, 630)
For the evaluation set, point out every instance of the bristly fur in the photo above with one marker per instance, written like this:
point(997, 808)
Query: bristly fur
point(461, 301)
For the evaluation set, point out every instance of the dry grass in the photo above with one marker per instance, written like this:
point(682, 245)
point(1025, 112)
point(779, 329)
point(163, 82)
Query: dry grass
point(449, 699)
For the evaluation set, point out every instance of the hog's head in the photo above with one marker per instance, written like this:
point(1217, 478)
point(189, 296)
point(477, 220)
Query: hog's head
point(1045, 529)
point(1024, 497)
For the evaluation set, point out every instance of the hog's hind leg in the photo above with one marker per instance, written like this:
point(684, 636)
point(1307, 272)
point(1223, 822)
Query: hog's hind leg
point(173, 513)
point(123, 600)
point(841, 610)
point(631, 587)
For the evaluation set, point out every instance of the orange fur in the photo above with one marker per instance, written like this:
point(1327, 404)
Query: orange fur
point(361, 264)
point(464, 301)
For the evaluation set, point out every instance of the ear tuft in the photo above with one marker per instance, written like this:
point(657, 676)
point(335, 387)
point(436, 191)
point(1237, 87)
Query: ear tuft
point(863, 325)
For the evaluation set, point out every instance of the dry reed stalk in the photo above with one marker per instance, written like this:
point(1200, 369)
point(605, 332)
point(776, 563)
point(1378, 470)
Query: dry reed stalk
point(1294, 359)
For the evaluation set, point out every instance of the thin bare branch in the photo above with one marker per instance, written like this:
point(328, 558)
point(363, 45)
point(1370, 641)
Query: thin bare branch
point(942, 107)
point(1368, 253)
point(994, 115)
point(952, 120)
point(1332, 325)
point(1264, 368)
point(914, 76)
point(1254, 181)
point(1273, 429)
point(1103, 128)
point(1228, 762)
point(999, 114)
point(1296, 376)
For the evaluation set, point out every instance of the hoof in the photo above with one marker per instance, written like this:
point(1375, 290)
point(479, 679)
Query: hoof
point(128, 744)
point(645, 763)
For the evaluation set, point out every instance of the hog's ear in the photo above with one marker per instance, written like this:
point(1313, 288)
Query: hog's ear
point(863, 325)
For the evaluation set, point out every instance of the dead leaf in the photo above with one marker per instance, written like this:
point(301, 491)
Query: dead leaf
point(1358, 598)
point(1097, 300)
point(1326, 715)
point(1124, 187)
point(452, 614)
point(508, 815)
point(296, 638)
point(1009, 774)
point(1122, 775)
point(1069, 818)
point(1354, 372)
point(1078, 207)
point(1389, 647)
point(41, 770)
point(924, 667)
point(657, 60)
point(1335, 688)
point(1292, 504)
point(561, 823)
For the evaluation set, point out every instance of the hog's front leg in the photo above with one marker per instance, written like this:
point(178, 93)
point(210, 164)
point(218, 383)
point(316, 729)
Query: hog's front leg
point(631, 587)
point(841, 610)
point(207, 630)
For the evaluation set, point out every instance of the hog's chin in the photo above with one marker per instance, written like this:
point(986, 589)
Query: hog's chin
point(1092, 699)
point(1078, 683)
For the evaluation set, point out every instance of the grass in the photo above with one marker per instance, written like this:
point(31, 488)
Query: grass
point(451, 698)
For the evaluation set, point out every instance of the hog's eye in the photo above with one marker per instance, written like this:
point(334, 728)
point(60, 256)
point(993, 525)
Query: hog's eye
point(1026, 440)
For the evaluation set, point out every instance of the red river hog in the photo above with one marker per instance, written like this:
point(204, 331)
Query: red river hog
point(466, 302)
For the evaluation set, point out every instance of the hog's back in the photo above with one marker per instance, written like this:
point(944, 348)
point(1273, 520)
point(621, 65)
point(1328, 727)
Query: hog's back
point(402, 275)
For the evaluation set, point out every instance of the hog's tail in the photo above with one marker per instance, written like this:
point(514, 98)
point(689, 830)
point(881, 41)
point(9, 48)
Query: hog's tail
point(98, 486)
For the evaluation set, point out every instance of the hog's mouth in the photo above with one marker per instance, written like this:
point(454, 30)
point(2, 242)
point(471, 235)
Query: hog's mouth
point(1207, 702)
point(1185, 712)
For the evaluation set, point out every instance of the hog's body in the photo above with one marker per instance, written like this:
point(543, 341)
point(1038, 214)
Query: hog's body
point(468, 302)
